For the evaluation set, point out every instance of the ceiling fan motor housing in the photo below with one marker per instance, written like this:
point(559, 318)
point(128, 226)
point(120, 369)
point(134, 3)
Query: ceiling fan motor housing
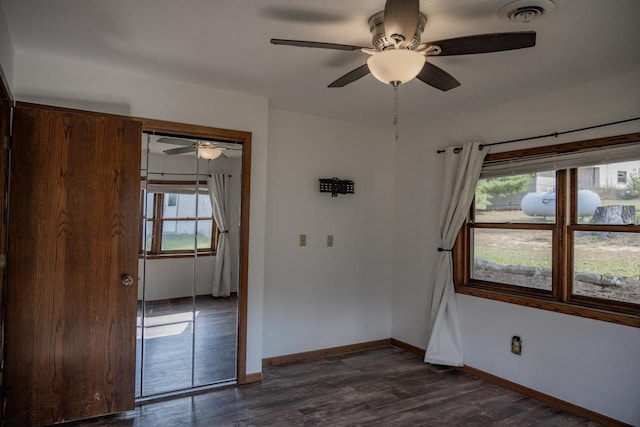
point(381, 41)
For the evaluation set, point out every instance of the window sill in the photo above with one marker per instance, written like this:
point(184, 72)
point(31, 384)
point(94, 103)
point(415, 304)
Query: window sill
point(176, 255)
point(551, 305)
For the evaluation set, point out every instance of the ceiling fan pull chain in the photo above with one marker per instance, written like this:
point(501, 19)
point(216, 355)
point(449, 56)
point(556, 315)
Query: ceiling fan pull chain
point(395, 112)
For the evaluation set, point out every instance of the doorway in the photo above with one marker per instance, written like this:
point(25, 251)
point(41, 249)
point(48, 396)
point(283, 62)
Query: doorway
point(191, 328)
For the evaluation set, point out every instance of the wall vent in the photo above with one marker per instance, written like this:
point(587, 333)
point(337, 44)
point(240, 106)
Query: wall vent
point(525, 11)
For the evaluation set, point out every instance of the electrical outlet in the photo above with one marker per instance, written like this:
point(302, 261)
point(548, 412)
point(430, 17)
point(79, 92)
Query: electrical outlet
point(303, 240)
point(516, 345)
point(330, 240)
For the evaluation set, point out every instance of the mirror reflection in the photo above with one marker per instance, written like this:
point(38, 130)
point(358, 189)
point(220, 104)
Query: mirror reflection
point(187, 298)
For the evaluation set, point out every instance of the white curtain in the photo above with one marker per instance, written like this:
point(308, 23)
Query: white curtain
point(218, 188)
point(461, 176)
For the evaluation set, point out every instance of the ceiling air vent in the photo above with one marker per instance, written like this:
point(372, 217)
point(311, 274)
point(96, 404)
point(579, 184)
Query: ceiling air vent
point(525, 11)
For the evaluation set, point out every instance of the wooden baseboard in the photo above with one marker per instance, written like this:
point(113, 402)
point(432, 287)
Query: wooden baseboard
point(408, 347)
point(255, 377)
point(296, 357)
point(534, 394)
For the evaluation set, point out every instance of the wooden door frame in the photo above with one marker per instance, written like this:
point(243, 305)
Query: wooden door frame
point(6, 103)
point(161, 126)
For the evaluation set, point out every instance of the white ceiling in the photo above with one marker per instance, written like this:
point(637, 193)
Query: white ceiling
point(225, 44)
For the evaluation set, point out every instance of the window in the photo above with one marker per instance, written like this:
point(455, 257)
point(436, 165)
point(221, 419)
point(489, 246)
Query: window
point(175, 223)
point(566, 239)
point(622, 177)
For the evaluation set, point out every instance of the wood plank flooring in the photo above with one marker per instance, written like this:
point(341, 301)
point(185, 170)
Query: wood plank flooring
point(386, 386)
point(168, 343)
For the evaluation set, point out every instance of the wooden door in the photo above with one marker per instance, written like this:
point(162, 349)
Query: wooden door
point(73, 235)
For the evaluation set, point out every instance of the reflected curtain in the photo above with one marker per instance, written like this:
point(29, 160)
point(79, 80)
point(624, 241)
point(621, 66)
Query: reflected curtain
point(218, 189)
point(461, 176)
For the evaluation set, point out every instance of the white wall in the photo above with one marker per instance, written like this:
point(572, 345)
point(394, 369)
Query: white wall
point(6, 48)
point(587, 362)
point(318, 297)
point(166, 278)
point(416, 236)
point(572, 358)
point(75, 84)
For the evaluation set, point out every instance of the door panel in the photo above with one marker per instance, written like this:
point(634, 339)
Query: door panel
point(73, 235)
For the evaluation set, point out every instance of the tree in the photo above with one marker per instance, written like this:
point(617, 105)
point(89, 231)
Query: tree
point(633, 181)
point(505, 186)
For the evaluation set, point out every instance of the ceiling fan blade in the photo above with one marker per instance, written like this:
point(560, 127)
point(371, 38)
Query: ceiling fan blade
point(302, 15)
point(176, 141)
point(351, 76)
point(179, 150)
point(437, 77)
point(485, 43)
point(318, 45)
point(401, 19)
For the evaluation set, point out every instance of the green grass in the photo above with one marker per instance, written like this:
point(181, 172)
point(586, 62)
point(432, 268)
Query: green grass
point(176, 242)
point(609, 267)
point(181, 242)
point(610, 255)
point(506, 257)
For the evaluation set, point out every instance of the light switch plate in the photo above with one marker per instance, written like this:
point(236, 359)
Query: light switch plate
point(330, 240)
point(303, 240)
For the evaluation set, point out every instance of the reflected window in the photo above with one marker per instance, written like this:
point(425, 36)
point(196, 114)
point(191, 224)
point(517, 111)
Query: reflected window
point(176, 223)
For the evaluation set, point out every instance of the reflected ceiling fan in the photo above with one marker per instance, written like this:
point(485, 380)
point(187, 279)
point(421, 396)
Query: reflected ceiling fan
point(208, 150)
point(398, 55)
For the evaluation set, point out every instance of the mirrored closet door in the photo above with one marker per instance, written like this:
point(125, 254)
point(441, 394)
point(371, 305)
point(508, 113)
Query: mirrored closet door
point(187, 299)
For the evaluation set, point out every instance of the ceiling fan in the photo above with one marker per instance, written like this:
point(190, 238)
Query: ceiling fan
point(398, 56)
point(208, 150)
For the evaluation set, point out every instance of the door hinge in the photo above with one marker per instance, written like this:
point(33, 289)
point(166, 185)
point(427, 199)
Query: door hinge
point(6, 142)
point(3, 260)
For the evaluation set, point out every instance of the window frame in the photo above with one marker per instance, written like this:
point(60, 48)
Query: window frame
point(157, 222)
point(560, 298)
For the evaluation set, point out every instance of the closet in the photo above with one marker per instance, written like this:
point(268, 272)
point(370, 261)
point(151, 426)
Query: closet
point(72, 307)
point(187, 297)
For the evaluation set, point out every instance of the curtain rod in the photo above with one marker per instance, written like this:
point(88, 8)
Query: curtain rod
point(180, 174)
point(456, 150)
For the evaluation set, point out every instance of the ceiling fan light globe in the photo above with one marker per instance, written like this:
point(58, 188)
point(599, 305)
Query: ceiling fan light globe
point(396, 65)
point(209, 153)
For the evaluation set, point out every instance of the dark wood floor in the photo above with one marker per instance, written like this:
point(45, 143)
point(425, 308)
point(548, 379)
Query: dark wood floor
point(168, 344)
point(386, 386)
